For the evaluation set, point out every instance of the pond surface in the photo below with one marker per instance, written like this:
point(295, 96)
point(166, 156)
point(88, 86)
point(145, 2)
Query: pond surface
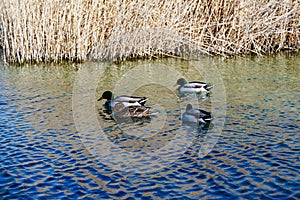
point(57, 141)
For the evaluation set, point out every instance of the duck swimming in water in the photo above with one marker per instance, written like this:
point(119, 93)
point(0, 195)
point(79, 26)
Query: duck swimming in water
point(193, 115)
point(126, 100)
point(121, 111)
point(193, 87)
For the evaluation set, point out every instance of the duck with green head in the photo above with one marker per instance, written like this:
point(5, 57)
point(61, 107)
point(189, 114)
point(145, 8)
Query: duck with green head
point(193, 115)
point(193, 87)
point(125, 99)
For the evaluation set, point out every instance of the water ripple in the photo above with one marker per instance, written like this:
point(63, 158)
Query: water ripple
point(43, 157)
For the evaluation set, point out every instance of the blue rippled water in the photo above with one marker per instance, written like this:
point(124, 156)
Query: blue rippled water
point(43, 155)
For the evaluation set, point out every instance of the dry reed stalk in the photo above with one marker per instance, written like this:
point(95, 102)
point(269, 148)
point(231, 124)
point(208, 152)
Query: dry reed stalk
point(77, 30)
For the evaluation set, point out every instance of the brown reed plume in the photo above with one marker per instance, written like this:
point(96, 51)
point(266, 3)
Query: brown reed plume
point(78, 30)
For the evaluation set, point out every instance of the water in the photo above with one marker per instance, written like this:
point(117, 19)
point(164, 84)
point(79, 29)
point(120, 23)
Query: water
point(57, 143)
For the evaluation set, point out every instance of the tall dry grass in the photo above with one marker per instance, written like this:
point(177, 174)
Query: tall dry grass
point(76, 30)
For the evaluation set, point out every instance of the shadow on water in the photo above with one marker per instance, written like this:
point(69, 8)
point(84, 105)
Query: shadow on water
point(44, 153)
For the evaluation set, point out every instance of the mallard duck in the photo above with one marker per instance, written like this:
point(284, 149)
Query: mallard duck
point(193, 115)
point(121, 111)
point(126, 100)
point(193, 87)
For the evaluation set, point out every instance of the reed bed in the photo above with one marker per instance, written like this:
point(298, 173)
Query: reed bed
point(78, 30)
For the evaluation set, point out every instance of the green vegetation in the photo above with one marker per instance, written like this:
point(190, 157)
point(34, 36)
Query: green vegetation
point(78, 30)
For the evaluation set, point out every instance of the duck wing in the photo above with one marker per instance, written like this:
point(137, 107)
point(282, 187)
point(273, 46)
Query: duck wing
point(134, 100)
point(198, 113)
point(198, 84)
point(195, 84)
point(140, 111)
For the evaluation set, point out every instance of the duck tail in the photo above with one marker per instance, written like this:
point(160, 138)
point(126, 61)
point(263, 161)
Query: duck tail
point(143, 100)
point(205, 120)
point(208, 118)
point(208, 86)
